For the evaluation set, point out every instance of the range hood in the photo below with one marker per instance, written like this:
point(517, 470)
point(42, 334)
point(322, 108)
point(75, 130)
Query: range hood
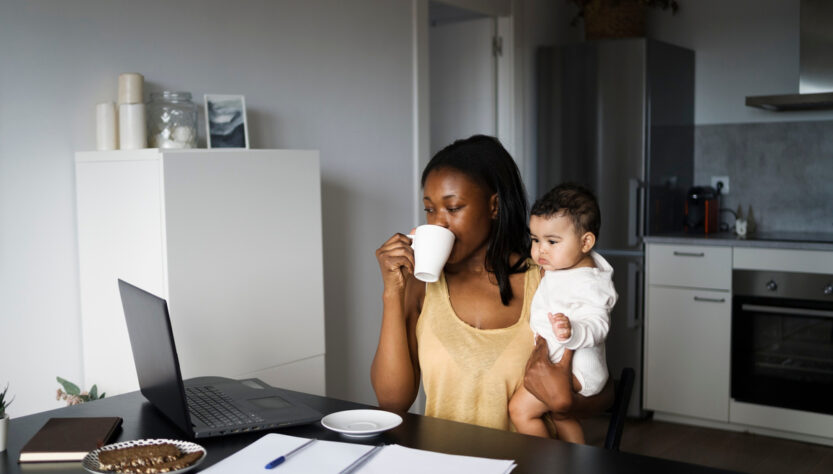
point(815, 89)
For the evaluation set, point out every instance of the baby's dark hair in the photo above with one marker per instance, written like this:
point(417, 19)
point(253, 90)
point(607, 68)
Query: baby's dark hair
point(575, 201)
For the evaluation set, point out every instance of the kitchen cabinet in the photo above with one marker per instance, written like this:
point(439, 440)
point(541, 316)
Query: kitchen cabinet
point(687, 330)
point(769, 281)
point(230, 238)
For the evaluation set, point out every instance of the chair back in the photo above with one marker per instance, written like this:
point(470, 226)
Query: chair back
point(619, 410)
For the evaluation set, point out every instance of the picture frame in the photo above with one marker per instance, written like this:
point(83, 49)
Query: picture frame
point(225, 121)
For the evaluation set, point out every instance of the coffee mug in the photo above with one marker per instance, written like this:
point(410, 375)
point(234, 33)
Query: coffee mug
point(432, 246)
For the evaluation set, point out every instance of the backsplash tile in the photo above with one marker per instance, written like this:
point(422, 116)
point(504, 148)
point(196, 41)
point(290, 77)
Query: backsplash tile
point(783, 170)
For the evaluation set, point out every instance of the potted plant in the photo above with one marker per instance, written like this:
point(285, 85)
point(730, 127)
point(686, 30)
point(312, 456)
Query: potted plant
point(4, 417)
point(616, 18)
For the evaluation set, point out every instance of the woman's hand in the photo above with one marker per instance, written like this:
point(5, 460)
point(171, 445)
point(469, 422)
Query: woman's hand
point(396, 261)
point(550, 383)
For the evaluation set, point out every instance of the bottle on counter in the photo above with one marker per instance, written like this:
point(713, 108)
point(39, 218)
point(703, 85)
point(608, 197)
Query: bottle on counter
point(172, 120)
point(751, 225)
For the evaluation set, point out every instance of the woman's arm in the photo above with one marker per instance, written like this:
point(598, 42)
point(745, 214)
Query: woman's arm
point(395, 369)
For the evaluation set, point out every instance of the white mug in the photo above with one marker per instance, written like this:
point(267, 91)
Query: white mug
point(432, 246)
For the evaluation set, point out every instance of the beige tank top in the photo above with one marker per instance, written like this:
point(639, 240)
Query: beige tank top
point(470, 374)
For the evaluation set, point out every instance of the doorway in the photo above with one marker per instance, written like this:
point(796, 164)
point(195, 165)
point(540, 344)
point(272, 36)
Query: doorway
point(462, 74)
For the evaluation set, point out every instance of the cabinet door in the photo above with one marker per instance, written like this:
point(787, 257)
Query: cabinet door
point(687, 344)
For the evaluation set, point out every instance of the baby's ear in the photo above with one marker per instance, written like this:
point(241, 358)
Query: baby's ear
point(588, 240)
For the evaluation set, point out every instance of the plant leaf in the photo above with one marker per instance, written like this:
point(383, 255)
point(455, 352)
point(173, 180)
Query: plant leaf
point(94, 393)
point(69, 387)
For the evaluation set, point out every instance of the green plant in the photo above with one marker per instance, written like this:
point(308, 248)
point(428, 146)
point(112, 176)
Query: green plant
point(583, 4)
point(73, 395)
point(3, 402)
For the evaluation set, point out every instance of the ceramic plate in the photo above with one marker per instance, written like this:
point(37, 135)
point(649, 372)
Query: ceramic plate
point(361, 423)
point(90, 461)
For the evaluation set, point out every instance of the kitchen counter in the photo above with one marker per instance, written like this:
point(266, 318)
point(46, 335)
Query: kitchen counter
point(777, 240)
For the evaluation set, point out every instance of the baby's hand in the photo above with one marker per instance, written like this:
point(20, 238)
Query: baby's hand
point(561, 326)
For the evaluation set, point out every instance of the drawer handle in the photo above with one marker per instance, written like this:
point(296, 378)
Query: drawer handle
point(689, 254)
point(710, 300)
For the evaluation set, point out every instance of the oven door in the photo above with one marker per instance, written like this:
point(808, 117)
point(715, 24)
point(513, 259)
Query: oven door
point(782, 353)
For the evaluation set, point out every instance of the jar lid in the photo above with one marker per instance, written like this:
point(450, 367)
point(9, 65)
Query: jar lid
point(171, 95)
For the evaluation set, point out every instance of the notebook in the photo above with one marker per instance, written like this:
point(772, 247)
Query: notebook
point(202, 406)
point(336, 457)
point(69, 439)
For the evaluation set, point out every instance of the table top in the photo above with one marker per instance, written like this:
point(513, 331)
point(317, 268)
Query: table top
point(142, 420)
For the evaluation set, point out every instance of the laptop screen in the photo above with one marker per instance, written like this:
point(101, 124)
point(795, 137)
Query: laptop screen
point(154, 352)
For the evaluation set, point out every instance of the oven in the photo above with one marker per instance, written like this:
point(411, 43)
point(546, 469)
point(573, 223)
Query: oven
point(782, 339)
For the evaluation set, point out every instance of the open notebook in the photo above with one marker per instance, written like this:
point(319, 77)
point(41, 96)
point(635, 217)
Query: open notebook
point(333, 456)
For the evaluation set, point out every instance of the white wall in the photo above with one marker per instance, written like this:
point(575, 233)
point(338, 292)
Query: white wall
point(322, 74)
point(742, 47)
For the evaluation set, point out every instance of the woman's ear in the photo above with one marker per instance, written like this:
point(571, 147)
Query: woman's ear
point(493, 206)
point(588, 240)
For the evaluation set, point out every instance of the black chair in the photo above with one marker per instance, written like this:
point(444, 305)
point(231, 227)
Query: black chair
point(619, 410)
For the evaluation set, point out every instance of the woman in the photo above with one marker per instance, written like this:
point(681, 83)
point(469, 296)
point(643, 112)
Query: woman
point(467, 335)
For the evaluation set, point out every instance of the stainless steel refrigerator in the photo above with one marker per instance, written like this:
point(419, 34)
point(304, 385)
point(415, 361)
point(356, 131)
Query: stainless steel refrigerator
point(617, 116)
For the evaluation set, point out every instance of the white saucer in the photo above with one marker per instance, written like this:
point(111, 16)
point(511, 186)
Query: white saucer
point(361, 423)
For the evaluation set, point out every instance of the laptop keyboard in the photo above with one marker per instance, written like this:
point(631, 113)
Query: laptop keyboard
point(215, 409)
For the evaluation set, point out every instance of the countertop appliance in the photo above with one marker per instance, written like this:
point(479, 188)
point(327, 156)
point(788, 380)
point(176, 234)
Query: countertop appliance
point(701, 210)
point(618, 117)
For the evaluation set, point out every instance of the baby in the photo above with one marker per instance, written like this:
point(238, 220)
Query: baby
point(571, 308)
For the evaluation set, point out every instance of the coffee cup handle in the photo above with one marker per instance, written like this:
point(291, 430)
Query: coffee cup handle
point(411, 236)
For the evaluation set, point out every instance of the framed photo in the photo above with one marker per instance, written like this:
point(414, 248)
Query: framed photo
point(225, 121)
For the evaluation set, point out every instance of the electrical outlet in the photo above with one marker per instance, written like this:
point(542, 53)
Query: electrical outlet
point(721, 179)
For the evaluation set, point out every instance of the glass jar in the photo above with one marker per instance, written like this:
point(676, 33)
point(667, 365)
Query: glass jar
point(172, 120)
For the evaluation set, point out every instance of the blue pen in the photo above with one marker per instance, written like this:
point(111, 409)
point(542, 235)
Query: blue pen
point(278, 461)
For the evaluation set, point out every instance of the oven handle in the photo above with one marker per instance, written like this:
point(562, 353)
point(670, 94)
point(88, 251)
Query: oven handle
point(785, 310)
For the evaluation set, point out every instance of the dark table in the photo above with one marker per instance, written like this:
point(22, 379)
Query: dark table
point(533, 455)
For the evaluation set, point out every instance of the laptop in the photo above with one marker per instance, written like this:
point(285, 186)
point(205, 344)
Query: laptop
point(203, 406)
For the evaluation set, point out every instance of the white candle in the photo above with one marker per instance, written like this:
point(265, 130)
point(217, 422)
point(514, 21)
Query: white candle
point(106, 137)
point(130, 88)
point(132, 130)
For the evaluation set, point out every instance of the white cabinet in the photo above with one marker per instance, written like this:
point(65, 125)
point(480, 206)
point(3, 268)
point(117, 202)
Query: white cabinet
point(687, 352)
point(231, 238)
point(687, 330)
